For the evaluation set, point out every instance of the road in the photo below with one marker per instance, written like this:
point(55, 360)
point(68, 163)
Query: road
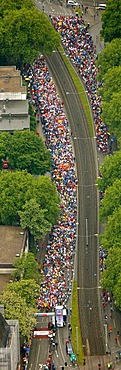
point(87, 254)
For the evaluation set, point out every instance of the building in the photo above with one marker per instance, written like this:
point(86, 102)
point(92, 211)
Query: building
point(13, 102)
point(9, 343)
point(13, 242)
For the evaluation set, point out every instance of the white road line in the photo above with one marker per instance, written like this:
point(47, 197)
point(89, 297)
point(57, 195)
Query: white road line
point(37, 356)
point(56, 353)
point(61, 348)
point(114, 324)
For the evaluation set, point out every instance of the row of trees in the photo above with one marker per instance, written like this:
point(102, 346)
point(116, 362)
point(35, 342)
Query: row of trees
point(109, 62)
point(24, 33)
point(110, 215)
point(19, 296)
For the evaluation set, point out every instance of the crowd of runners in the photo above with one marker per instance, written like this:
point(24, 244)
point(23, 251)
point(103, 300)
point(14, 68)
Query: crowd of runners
point(59, 257)
point(80, 49)
point(58, 262)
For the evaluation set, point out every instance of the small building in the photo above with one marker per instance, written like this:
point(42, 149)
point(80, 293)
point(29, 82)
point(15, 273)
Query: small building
point(9, 343)
point(13, 102)
point(13, 242)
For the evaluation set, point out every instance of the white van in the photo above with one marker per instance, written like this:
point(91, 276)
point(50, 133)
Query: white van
point(102, 6)
point(72, 3)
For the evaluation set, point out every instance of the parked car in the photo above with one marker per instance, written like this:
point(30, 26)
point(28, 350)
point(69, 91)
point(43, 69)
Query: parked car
point(73, 357)
point(102, 6)
point(5, 165)
point(72, 3)
point(69, 349)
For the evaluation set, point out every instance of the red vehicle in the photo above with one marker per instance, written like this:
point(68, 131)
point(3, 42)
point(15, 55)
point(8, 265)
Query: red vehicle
point(5, 165)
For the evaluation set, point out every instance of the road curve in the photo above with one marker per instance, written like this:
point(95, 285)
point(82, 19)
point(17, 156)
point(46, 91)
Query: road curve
point(87, 230)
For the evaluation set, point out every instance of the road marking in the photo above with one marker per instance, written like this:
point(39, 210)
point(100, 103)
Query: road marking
point(61, 348)
point(56, 353)
point(87, 347)
point(38, 356)
point(114, 324)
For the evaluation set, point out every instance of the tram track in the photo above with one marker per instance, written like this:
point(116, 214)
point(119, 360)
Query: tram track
point(87, 254)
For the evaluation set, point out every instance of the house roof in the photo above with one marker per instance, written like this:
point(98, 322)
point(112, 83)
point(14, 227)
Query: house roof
point(10, 80)
point(11, 243)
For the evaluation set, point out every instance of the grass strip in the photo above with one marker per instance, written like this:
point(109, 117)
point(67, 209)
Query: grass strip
point(80, 89)
point(76, 330)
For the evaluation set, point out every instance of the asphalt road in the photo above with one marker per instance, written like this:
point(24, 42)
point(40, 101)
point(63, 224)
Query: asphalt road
point(87, 229)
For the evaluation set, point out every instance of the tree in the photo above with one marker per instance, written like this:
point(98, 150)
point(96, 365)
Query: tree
point(111, 114)
point(109, 57)
point(117, 292)
point(6, 7)
point(111, 83)
point(110, 276)
point(16, 309)
point(47, 197)
point(110, 170)
point(111, 200)
point(28, 290)
point(25, 151)
point(13, 187)
point(33, 218)
point(26, 268)
point(18, 187)
point(111, 21)
point(26, 33)
point(112, 230)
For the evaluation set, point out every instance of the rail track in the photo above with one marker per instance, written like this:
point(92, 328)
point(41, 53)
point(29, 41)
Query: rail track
point(88, 251)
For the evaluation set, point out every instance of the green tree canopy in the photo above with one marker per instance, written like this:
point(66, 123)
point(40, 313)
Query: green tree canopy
point(28, 290)
point(111, 200)
point(16, 308)
point(112, 230)
point(111, 83)
point(25, 151)
point(26, 33)
point(7, 6)
point(110, 276)
point(109, 57)
point(33, 218)
point(110, 170)
point(26, 268)
point(111, 114)
point(117, 292)
point(18, 187)
point(111, 21)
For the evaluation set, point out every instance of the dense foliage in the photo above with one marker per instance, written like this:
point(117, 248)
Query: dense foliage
point(111, 200)
point(26, 268)
point(16, 309)
point(25, 151)
point(24, 33)
point(17, 190)
point(19, 296)
point(7, 6)
point(110, 171)
point(109, 63)
point(110, 214)
point(109, 57)
point(111, 21)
